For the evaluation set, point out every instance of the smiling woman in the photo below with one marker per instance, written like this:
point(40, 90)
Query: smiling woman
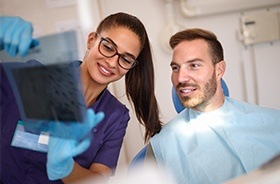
point(103, 53)
point(108, 49)
point(119, 47)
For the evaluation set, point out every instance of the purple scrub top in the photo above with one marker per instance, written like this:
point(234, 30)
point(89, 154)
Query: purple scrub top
point(26, 166)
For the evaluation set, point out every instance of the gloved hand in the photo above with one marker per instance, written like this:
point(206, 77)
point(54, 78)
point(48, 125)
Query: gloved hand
point(61, 149)
point(16, 36)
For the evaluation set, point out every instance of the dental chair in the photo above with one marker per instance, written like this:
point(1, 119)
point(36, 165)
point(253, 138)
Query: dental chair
point(138, 159)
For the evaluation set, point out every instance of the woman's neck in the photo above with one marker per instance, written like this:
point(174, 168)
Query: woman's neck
point(91, 89)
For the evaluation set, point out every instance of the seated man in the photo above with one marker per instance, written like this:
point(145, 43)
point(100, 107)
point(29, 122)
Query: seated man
point(216, 138)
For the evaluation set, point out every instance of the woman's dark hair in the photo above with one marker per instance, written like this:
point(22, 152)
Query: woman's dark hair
point(215, 47)
point(139, 80)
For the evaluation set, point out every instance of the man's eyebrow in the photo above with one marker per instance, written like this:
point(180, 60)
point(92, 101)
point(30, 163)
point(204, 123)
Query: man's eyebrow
point(173, 63)
point(194, 60)
point(188, 61)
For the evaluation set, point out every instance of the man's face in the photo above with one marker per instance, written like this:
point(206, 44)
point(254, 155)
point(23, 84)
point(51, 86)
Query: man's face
point(194, 75)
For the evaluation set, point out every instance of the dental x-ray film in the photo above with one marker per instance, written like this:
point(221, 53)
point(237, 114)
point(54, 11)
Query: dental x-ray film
point(47, 92)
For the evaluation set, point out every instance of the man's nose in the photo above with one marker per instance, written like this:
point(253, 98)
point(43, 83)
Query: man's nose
point(183, 76)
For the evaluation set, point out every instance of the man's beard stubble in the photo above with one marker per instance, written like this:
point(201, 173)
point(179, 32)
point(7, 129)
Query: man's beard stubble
point(201, 101)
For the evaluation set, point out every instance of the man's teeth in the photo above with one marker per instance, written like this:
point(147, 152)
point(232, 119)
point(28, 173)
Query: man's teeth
point(186, 90)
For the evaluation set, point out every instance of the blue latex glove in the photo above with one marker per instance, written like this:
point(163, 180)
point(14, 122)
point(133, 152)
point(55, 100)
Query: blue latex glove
point(61, 150)
point(16, 36)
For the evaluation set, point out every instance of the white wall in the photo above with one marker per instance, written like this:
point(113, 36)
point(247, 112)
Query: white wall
point(252, 72)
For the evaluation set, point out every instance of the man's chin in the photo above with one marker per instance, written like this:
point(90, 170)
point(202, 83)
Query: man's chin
point(191, 103)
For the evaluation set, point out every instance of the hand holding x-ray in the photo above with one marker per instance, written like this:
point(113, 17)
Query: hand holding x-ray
point(16, 36)
point(62, 149)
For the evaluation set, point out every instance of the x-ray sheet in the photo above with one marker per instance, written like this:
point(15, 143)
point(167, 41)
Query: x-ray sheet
point(47, 92)
point(55, 48)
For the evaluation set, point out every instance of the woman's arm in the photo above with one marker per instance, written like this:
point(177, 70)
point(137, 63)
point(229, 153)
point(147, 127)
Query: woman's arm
point(96, 172)
point(67, 141)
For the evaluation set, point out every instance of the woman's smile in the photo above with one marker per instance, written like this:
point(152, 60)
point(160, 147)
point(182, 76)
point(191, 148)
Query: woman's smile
point(104, 70)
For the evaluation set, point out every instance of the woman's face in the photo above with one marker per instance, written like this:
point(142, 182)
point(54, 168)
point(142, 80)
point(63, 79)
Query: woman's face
point(104, 70)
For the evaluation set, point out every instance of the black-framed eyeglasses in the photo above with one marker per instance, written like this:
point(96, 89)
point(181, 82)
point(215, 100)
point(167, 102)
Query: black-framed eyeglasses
point(108, 49)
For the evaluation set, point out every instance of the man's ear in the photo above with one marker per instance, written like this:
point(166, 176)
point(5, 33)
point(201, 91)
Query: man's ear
point(220, 69)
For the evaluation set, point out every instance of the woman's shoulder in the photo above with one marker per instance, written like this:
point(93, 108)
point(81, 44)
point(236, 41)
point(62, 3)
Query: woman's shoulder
point(110, 105)
point(116, 113)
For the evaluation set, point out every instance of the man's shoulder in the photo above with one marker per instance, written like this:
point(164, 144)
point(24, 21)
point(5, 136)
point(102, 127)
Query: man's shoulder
point(249, 108)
